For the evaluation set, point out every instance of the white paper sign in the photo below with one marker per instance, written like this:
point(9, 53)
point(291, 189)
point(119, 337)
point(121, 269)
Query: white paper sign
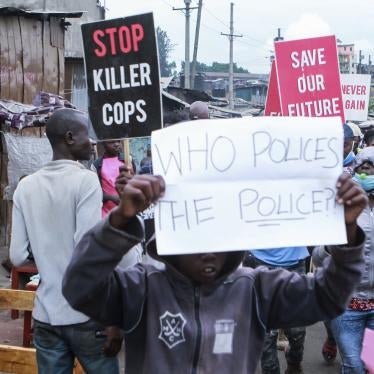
point(247, 183)
point(356, 94)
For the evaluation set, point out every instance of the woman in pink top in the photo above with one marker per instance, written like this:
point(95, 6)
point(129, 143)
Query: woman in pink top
point(107, 168)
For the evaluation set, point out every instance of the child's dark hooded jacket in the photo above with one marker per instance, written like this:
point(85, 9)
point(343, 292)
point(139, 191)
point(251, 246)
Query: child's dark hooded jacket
point(173, 326)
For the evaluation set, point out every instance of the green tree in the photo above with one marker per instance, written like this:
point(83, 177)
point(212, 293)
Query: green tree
point(165, 47)
point(371, 104)
point(216, 67)
point(219, 67)
point(201, 67)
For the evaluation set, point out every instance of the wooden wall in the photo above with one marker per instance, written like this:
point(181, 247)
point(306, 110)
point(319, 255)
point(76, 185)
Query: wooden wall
point(31, 57)
point(31, 60)
point(3, 203)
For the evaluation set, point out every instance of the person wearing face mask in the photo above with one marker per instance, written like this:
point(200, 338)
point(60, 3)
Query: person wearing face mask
point(348, 154)
point(329, 349)
point(357, 133)
point(348, 329)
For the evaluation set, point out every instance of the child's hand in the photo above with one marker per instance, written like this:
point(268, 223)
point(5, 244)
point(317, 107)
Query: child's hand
point(113, 342)
point(125, 174)
point(137, 195)
point(352, 196)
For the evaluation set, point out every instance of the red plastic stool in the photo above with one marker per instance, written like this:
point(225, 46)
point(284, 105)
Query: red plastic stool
point(16, 270)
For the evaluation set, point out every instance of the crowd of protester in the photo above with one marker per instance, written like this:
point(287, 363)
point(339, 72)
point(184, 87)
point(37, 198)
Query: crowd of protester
point(102, 281)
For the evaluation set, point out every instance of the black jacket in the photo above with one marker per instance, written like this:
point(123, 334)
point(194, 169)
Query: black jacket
point(173, 326)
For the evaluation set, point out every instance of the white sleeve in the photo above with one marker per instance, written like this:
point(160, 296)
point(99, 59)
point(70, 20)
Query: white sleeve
point(89, 204)
point(19, 243)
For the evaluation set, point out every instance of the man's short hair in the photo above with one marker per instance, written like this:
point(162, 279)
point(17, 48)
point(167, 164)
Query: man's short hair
point(62, 121)
point(199, 110)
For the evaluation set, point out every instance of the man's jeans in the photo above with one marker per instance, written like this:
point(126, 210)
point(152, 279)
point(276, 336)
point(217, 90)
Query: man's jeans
point(57, 346)
point(295, 336)
point(348, 330)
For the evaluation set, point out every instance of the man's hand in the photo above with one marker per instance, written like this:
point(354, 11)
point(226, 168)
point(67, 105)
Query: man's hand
point(137, 195)
point(107, 197)
point(113, 342)
point(125, 174)
point(354, 199)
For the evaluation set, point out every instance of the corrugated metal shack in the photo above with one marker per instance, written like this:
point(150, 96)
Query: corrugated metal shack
point(31, 60)
point(31, 53)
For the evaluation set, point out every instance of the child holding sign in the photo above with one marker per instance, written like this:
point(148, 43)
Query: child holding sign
point(202, 313)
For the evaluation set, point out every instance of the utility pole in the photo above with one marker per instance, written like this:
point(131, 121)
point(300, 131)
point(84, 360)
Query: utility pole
point(360, 58)
point(276, 39)
point(279, 37)
point(187, 10)
point(271, 58)
point(231, 37)
point(196, 45)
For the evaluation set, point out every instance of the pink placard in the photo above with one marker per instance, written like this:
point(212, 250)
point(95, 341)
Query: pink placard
point(309, 78)
point(367, 353)
point(272, 105)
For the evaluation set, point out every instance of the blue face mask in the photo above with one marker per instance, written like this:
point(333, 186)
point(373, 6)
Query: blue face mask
point(349, 159)
point(365, 181)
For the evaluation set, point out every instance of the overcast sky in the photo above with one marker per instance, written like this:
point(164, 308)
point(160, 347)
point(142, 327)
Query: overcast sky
point(257, 20)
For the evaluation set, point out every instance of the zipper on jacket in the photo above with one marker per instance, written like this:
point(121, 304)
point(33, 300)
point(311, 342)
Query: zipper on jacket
point(198, 323)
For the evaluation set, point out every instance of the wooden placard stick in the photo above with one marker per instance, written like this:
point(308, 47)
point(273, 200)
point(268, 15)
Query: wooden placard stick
point(126, 151)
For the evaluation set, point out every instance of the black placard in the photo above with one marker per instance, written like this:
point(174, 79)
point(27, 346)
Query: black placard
point(123, 80)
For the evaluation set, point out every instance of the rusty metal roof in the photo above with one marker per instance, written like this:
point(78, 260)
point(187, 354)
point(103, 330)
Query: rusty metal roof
point(11, 11)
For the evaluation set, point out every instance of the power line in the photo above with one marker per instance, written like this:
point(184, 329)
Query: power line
point(252, 39)
point(252, 60)
point(252, 45)
point(225, 24)
point(208, 27)
point(167, 3)
point(214, 16)
point(218, 31)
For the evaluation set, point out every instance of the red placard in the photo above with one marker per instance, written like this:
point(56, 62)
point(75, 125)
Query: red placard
point(272, 105)
point(309, 78)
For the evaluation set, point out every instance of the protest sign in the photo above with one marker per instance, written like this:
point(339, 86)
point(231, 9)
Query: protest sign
point(122, 73)
point(239, 184)
point(356, 94)
point(309, 78)
point(367, 350)
point(272, 105)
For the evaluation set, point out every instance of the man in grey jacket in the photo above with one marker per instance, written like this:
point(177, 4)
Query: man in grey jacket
point(202, 313)
point(52, 209)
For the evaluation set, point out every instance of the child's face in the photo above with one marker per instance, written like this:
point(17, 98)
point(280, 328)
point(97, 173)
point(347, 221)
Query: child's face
point(367, 167)
point(201, 268)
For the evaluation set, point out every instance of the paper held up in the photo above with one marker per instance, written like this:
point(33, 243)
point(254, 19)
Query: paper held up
point(240, 184)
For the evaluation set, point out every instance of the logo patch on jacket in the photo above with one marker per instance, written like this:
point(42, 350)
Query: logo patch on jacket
point(224, 329)
point(172, 329)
